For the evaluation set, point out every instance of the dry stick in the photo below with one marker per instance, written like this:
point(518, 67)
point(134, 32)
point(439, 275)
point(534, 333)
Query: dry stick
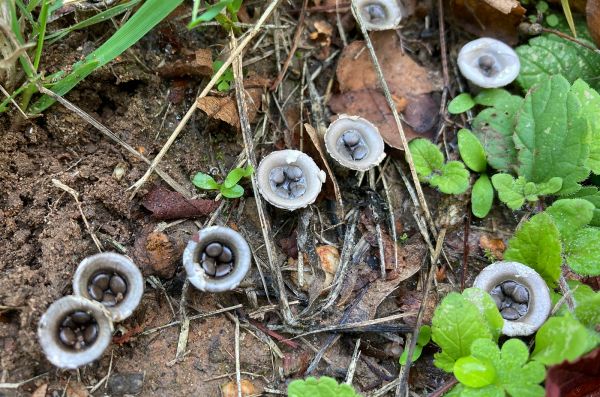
point(185, 324)
point(392, 106)
point(251, 156)
point(297, 35)
point(439, 392)
point(391, 212)
point(400, 390)
point(75, 195)
point(238, 375)
point(352, 366)
point(570, 38)
point(194, 317)
point(378, 230)
point(234, 54)
point(69, 105)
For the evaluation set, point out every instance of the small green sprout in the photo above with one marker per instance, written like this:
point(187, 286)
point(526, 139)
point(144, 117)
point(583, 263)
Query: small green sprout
point(230, 187)
point(224, 82)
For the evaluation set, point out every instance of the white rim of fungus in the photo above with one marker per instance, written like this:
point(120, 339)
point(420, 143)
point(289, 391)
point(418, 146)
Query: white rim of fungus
point(539, 305)
point(226, 236)
point(314, 178)
point(59, 354)
point(111, 261)
point(369, 133)
point(504, 55)
point(393, 11)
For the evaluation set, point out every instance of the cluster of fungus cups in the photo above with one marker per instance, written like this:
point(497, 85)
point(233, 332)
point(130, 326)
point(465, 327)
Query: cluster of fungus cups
point(488, 63)
point(520, 293)
point(76, 329)
point(289, 179)
point(380, 14)
point(354, 142)
point(217, 259)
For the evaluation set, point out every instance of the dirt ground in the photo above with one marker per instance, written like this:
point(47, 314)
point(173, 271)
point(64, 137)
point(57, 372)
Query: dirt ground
point(43, 236)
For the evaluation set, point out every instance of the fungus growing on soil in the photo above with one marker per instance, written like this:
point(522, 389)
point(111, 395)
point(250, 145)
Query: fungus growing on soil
point(111, 279)
point(355, 143)
point(74, 331)
point(488, 63)
point(380, 14)
point(520, 293)
point(217, 259)
point(289, 179)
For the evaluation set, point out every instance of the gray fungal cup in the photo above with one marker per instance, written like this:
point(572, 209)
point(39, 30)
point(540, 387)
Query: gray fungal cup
point(217, 259)
point(74, 331)
point(112, 280)
point(488, 63)
point(289, 179)
point(520, 293)
point(380, 14)
point(355, 143)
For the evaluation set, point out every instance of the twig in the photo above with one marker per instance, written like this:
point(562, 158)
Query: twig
point(238, 375)
point(359, 324)
point(444, 388)
point(195, 317)
point(234, 55)
point(16, 385)
point(391, 212)
point(570, 38)
point(566, 291)
point(185, 323)
point(352, 366)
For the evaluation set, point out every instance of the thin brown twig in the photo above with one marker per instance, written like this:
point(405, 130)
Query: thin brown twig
point(444, 388)
point(570, 38)
point(465, 258)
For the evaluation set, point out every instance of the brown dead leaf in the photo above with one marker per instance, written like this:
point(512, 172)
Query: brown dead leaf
point(197, 65)
point(166, 204)
point(322, 33)
point(40, 391)
point(580, 378)
point(494, 245)
point(593, 19)
point(504, 6)
point(76, 389)
point(410, 301)
point(482, 19)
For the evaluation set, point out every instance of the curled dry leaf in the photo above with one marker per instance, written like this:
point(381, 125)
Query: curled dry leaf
point(166, 204)
point(493, 245)
point(196, 65)
point(411, 86)
point(330, 260)
point(580, 378)
point(593, 19)
point(248, 389)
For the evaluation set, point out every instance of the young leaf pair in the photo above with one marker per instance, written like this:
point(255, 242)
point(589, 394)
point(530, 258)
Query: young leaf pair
point(229, 188)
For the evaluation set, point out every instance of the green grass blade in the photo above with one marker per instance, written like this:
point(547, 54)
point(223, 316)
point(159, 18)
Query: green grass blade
point(43, 19)
point(148, 16)
point(567, 10)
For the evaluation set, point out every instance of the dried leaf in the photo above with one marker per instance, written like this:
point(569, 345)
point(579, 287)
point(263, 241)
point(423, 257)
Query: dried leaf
point(196, 65)
point(494, 245)
point(504, 6)
point(580, 378)
point(593, 19)
point(166, 204)
point(40, 391)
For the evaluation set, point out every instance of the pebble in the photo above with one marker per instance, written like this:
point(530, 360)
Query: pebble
point(125, 384)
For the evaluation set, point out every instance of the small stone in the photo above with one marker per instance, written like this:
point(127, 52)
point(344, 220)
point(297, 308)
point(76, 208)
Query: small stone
point(67, 336)
point(226, 255)
point(213, 249)
point(209, 265)
point(109, 299)
point(510, 313)
point(297, 189)
point(118, 284)
point(293, 172)
point(375, 12)
point(81, 317)
point(90, 334)
point(96, 292)
point(223, 269)
point(351, 138)
point(359, 152)
point(520, 294)
point(101, 280)
point(125, 384)
point(277, 175)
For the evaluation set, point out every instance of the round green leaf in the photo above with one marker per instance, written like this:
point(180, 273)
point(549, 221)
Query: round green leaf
point(473, 372)
point(471, 150)
point(452, 179)
point(426, 156)
point(482, 196)
point(204, 181)
point(461, 103)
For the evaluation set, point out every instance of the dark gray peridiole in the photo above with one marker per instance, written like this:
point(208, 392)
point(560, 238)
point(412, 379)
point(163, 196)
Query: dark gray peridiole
point(107, 287)
point(288, 181)
point(78, 330)
point(375, 12)
point(217, 260)
point(512, 299)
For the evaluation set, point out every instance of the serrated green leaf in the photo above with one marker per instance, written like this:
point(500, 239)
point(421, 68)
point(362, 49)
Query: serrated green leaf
point(571, 215)
point(510, 191)
point(548, 55)
point(473, 372)
point(482, 196)
point(205, 181)
point(455, 325)
point(495, 126)
point(486, 305)
point(559, 339)
point(590, 110)
point(452, 179)
point(236, 174)
point(583, 251)
point(322, 387)
point(591, 194)
point(537, 245)
point(551, 138)
point(492, 96)
point(427, 157)
point(471, 151)
point(461, 103)
point(587, 304)
point(552, 186)
point(232, 192)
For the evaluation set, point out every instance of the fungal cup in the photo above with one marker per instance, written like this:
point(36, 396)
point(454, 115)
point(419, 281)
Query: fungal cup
point(488, 63)
point(380, 14)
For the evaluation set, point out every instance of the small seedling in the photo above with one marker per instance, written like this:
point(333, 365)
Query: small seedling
point(224, 82)
point(230, 187)
point(215, 11)
point(322, 387)
point(422, 341)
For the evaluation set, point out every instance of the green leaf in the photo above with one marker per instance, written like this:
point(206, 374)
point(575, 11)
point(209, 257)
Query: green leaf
point(453, 178)
point(591, 194)
point(482, 196)
point(486, 305)
point(510, 191)
point(471, 151)
point(427, 157)
point(461, 103)
point(416, 354)
point(492, 96)
point(571, 215)
point(549, 55)
point(232, 192)
point(456, 324)
point(551, 138)
point(322, 387)
point(537, 245)
point(590, 110)
point(473, 372)
point(583, 251)
point(587, 303)
point(424, 335)
point(422, 340)
point(205, 181)
point(495, 126)
point(559, 339)
point(236, 174)
point(552, 186)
